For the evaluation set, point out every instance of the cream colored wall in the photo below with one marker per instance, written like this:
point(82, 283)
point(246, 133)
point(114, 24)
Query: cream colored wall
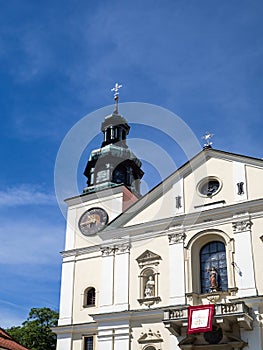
point(160, 247)
point(221, 169)
point(87, 274)
point(162, 208)
point(255, 182)
point(257, 244)
point(77, 342)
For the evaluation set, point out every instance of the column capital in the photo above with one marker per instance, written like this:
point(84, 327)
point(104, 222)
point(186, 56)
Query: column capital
point(122, 248)
point(176, 237)
point(107, 251)
point(242, 225)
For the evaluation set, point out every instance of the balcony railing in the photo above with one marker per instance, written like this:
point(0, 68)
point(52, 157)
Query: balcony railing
point(225, 315)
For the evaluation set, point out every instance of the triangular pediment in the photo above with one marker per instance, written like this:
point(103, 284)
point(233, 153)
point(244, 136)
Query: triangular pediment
point(148, 256)
point(185, 191)
point(150, 337)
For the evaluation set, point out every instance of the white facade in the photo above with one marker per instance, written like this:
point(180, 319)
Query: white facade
point(128, 287)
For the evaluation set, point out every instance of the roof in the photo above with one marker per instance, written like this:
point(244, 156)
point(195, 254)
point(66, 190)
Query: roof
point(182, 171)
point(8, 343)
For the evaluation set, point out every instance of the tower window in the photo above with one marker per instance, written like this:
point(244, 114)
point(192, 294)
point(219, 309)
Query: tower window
point(90, 297)
point(213, 267)
point(88, 343)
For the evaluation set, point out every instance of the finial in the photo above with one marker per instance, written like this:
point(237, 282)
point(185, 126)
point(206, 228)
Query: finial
point(116, 89)
point(207, 137)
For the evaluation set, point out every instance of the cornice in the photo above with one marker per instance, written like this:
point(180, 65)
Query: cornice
point(210, 218)
point(206, 218)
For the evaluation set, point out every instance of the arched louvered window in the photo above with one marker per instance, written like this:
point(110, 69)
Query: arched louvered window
point(90, 297)
point(213, 267)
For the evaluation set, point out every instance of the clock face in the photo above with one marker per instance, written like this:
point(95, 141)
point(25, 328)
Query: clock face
point(93, 221)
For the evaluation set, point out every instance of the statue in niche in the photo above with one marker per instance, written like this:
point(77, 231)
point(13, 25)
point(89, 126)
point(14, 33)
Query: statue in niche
point(213, 278)
point(149, 287)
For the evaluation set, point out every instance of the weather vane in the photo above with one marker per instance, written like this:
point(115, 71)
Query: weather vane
point(116, 89)
point(207, 137)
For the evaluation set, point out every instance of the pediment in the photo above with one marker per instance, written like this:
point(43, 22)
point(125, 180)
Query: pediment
point(184, 192)
point(150, 337)
point(148, 257)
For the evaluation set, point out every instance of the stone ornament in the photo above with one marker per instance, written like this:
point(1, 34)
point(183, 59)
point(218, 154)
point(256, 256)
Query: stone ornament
point(176, 237)
point(122, 248)
point(240, 226)
point(106, 251)
point(116, 249)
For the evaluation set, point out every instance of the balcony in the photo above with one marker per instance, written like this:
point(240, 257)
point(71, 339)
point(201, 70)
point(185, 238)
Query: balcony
point(227, 314)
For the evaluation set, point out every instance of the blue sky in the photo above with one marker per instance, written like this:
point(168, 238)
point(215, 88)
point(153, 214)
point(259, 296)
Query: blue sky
point(58, 60)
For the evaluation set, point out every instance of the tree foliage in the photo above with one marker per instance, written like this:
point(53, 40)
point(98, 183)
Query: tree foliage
point(35, 333)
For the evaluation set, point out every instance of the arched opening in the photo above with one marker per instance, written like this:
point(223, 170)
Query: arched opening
point(90, 297)
point(213, 267)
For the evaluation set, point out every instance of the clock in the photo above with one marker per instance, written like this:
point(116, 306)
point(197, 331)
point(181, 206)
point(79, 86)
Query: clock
point(93, 221)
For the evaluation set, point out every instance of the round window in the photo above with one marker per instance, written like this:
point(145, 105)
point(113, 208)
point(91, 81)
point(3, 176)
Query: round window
point(209, 187)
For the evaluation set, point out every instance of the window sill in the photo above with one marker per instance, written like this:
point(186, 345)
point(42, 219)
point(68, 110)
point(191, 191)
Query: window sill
point(89, 306)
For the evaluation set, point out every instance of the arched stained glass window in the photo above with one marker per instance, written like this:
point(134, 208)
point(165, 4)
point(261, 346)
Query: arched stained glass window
point(213, 259)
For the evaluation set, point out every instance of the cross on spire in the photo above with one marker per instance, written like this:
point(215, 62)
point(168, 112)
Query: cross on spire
point(207, 137)
point(116, 89)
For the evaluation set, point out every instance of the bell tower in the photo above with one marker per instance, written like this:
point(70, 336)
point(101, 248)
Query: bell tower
point(113, 164)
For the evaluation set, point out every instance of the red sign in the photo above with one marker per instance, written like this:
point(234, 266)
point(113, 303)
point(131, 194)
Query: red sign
point(200, 318)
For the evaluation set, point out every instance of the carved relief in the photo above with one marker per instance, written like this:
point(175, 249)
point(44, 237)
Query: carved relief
point(176, 237)
point(122, 248)
point(106, 251)
point(148, 258)
point(150, 337)
point(244, 225)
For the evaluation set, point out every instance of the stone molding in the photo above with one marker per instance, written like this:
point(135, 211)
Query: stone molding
point(116, 249)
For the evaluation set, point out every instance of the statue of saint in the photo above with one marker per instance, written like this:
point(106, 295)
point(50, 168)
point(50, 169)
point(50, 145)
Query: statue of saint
point(213, 278)
point(149, 287)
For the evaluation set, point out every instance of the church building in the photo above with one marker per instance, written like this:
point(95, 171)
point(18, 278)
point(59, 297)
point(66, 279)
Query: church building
point(178, 268)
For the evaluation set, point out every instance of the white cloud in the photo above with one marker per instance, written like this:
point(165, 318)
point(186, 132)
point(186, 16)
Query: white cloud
point(25, 195)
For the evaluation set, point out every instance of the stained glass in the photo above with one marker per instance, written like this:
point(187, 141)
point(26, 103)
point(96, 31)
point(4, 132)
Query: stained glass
point(213, 254)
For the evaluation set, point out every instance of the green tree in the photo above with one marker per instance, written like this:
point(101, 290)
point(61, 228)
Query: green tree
point(35, 333)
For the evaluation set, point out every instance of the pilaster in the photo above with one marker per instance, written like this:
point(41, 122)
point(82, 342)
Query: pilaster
point(121, 278)
point(176, 257)
point(122, 338)
point(66, 291)
point(64, 341)
point(107, 283)
point(105, 339)
point(244, 264)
